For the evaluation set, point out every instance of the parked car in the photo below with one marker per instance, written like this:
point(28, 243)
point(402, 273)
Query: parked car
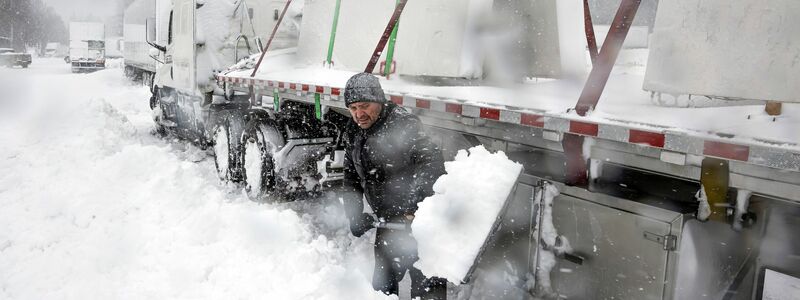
point(9, 58)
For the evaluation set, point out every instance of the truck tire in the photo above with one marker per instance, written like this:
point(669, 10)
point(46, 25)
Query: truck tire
point(222, 152)
point(158, 114)
point(260, 141)
point(25, 66)
point(227, 149)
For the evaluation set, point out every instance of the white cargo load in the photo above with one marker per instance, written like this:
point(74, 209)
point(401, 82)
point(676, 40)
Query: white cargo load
point(86, 41)
point(726, 49)
point(447, 38)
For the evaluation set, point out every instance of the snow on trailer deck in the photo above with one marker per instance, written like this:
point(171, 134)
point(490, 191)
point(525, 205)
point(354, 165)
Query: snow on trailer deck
point(625, 113)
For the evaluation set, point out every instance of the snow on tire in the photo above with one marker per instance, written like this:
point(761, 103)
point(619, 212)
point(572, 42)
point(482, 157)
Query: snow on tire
point(260, 142)
point(223, 160)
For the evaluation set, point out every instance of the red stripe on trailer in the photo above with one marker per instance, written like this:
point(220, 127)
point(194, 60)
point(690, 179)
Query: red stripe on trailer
point(490, 113)
point(725, 150)
point(396, 99)
point(583, 128)
point(335, 91)
point(306, 88)
point(454, 108)
point(422, 103)
point(532, 120)
point(280, 84)
point(292, 86)
point(645, 137)
point(320, 89)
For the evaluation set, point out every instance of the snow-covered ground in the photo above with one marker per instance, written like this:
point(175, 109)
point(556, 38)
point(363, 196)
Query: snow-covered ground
point(93, 206)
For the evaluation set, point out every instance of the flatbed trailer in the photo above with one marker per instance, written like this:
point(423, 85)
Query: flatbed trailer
point(761, 165)
point(642, 190)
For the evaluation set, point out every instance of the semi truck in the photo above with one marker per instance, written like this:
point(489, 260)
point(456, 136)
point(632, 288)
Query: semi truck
point(87, 49)
point(674, 182)
point(144, 20)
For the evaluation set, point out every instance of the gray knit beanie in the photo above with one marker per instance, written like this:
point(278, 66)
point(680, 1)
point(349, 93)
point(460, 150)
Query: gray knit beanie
point(363, 87)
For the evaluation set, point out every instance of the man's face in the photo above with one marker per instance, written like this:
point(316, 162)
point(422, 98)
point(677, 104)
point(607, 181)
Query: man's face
point(365, 113)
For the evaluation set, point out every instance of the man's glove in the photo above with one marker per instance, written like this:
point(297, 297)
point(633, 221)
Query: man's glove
point(362, 224)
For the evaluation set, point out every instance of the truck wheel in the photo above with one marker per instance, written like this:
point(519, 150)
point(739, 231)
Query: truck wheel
point(158, 114)
point(260, 141)
point(222, 152)
point(25, 66)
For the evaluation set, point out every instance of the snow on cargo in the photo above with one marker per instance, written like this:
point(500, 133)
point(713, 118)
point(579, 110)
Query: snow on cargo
point(452, 225)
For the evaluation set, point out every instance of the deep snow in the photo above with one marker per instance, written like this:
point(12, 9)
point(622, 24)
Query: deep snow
point(95, 206)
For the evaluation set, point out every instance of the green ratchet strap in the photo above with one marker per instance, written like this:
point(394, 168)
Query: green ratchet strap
point(390, 53)
point(317, 106)
point(333, 31)
point(276, 100)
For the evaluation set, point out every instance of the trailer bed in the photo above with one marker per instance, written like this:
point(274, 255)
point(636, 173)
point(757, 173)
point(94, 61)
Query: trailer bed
point(626, 114)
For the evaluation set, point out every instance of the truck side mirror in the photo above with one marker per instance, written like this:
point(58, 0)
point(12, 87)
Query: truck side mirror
point(154, 53)
point(150, 36)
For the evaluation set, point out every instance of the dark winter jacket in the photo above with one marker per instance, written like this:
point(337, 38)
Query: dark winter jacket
point(393, 164)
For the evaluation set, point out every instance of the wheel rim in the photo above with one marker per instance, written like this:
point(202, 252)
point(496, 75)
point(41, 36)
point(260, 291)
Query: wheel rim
point(222, 152)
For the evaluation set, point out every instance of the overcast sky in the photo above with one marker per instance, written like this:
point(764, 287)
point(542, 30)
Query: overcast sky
point(82, 8)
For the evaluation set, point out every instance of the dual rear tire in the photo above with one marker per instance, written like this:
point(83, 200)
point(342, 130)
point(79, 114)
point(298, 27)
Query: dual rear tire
point(248, 159)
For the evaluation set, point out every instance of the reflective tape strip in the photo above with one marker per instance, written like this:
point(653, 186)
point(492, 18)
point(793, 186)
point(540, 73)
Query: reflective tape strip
point(490, 113)
point(556, 124)
point(409, 101)
point(680, 142)
point(532, 120)
point(509, 116)
point(726, 150)
point(306, 88)
point(583, 128)
point(454, 108)
point(613, 132)
point(470, 111)
point(422, 103)
point(775, 158)
point(652, 139)
point(396, 99)
point(439, 106)
point(319, 89)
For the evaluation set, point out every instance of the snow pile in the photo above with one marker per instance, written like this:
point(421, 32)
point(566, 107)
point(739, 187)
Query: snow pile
point(452, 225)
point(115, 63)
point(94, 206)
point(704, 209)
